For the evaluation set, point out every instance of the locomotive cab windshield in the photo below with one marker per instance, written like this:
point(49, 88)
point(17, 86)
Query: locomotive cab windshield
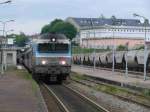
point(53, 48)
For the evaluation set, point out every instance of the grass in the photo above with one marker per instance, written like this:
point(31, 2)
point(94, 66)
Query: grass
point(146, 92)
point(26, 76)
point(32, 85)
point(142, 97)
point(102, 87)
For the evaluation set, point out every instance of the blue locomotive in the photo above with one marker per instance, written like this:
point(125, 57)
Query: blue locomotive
point(49, 57)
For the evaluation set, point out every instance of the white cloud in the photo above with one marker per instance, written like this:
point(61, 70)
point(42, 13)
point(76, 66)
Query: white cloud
point(28, 27)
point(31, 15)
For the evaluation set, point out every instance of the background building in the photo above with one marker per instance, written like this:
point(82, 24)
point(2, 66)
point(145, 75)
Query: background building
point(104, 32)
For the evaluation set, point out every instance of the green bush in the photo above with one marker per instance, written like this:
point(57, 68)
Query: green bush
point(147, 92)
point(78, 50)
point(121, 48)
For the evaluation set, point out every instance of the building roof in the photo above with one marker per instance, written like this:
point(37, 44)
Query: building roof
point(96, 22)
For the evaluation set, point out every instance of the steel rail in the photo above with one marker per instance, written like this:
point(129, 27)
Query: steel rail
point(116, 70)
point(76, 93)
point(119, 96)
point(96, 105)
point(59, 102)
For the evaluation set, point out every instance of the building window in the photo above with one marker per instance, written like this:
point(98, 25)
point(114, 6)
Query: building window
point(96, 22)
point(85, 21)
point(81, 21)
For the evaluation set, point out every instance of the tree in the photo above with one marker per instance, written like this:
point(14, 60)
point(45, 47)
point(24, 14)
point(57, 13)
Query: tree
point(47, 28)
point(20, 40)
point(65, 28)
point(60, 27)
point(121, 48)
point(55, 22)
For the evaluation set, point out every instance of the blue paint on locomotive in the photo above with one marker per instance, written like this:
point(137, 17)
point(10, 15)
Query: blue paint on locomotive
point(37, 54)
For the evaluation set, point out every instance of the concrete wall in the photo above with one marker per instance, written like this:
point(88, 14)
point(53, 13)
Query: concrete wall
point(9, 57)
point(109, 42)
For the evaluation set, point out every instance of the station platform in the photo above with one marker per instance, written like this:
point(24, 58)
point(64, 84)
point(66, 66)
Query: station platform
point(19, 94)
point(114, 77)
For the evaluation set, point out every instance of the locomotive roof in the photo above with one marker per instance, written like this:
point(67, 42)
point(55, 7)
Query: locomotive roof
point(49, 36)
point(46, 38)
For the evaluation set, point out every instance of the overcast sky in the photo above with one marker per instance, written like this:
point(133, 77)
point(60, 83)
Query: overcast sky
point(31, 15)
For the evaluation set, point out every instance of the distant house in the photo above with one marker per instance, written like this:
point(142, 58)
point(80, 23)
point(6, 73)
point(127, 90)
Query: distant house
point(2, 40)
point(106, 32)
point(34, 37)
point(8, 52)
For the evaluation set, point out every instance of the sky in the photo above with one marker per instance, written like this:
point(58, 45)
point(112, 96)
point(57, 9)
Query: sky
point(31, 15)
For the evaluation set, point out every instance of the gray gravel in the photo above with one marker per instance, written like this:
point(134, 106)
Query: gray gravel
point(110, 102)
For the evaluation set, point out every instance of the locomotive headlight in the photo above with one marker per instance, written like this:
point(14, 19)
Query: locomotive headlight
point(43, 62)
point(53, 39)
point(63, 62)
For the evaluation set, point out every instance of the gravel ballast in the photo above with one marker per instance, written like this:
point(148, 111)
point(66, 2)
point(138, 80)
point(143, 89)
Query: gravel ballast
point(110, 102)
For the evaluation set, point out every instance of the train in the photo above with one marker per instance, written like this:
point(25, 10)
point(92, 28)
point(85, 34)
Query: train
point(48, 57)
point(134, 59)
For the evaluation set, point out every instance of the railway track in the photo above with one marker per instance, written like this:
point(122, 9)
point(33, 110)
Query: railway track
point(90, 82)
point(70, 100)
point(137, 73)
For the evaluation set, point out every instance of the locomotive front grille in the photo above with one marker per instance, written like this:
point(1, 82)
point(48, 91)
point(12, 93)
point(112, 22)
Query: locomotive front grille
point(53, 61)
point(55, 69)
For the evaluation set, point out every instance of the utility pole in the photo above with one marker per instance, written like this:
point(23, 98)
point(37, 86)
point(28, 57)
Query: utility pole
point(94, 52)
point(113, 46)
point(6, 2)
point(145, 46)
point(113, 66)
point(126, 74)
point(2, 47)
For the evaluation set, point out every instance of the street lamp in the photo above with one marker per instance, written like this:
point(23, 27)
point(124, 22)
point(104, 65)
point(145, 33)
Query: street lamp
point(6, 43)
point(126, 73)
point(113, 63)
point(113, 67)
point(6, 32)
point(145, 46)
point(94, 45)
point(8, 1)
point(4, 25)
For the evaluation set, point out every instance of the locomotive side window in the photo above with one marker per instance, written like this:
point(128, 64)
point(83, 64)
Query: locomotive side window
point(53, 48)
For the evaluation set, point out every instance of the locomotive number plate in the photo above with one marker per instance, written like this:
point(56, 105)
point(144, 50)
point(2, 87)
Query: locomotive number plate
point(54, 60)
